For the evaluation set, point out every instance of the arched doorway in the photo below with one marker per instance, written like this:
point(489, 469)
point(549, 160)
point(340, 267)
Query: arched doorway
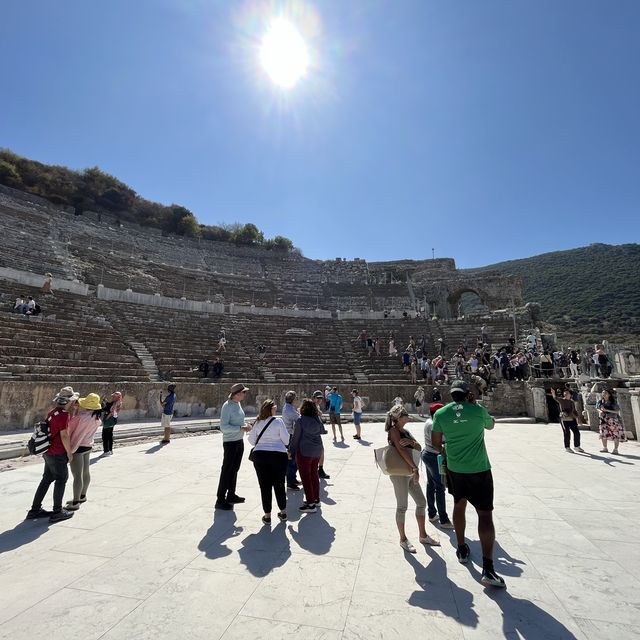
point(465, 302)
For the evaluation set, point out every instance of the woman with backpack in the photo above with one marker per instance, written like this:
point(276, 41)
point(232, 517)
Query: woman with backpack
point(109, 421)
point(270, 439)
point(83, 424)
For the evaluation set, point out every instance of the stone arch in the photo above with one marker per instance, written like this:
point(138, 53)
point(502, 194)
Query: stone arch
point(454, 299)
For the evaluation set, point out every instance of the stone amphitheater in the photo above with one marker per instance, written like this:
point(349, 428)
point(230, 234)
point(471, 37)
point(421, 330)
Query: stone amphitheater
point(133, 308)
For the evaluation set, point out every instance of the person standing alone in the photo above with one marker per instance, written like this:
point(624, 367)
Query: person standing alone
point(167, 412)
point(462, 423)
point(233, 427)
point(335, 405)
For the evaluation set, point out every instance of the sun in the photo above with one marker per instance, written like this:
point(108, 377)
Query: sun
point(283, 53)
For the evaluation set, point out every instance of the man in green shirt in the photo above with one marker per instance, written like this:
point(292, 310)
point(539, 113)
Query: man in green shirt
point(463, 423)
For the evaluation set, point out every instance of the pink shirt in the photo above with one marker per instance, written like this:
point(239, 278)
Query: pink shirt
point(82, 429)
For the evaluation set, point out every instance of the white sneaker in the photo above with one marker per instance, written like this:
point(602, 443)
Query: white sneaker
point(434, 518)
point(568, 449)
point(407, 546)
point(432, 542)
point(578, 449)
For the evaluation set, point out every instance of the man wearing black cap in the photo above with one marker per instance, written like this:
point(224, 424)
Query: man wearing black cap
point(463, 423)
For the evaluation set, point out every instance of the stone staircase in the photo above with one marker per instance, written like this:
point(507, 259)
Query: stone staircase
point(148, 363)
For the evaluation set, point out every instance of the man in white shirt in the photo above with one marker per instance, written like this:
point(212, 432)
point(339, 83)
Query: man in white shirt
point(356, 407)
point(436, 504)
point(289, 416)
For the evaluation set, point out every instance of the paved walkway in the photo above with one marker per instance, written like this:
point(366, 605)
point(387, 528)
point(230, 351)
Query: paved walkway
point(147, 558)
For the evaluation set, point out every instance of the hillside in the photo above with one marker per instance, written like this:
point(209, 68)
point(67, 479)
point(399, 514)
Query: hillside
point(588, 294)
point(94, 190)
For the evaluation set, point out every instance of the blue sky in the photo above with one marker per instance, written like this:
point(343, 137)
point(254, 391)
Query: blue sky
point(489, 130)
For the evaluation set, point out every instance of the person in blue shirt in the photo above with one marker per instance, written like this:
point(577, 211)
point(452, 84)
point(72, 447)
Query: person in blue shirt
point(233, 427)
point(167, 412)
point(335, 404)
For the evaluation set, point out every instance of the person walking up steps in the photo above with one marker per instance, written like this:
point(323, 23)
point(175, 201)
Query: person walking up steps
point(55, 460)
point(436, 503)
point(270, 439)
point(82, 430)
point(167, 412)
point(403, 486)
point(463, 423)
point(233, 427)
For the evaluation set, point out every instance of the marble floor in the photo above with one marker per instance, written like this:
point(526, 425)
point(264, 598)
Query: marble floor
point(148, 558)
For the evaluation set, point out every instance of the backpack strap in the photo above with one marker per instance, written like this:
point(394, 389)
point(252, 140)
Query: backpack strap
point(263, 430)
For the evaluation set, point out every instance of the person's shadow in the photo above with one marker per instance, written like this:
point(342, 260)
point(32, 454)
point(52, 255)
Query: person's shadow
point(314, 534)
point(364, 443)
point(608, 461)
point(340, 444)
point(266, 550)
point(523, 619)
point(156, 447)
point(23, 533)
point(438, 593)
point(223, 527)
point(324, 495)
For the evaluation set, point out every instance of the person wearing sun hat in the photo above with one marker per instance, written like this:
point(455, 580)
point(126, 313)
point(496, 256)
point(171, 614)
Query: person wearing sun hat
point(55, 460)
point(233, 427)
point(83, 424)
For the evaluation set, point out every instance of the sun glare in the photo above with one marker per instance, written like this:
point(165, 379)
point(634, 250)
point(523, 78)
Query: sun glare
point(283, 53)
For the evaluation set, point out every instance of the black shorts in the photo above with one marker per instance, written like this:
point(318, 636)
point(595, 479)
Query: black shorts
point(477, 488)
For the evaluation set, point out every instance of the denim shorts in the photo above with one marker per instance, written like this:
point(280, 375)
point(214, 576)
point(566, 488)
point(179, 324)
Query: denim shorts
point(357, 416)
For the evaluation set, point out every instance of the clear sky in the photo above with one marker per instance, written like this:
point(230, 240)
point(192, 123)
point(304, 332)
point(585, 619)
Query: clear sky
point(489, 130)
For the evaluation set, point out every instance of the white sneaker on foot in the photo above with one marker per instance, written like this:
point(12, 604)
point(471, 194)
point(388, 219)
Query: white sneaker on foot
point(432, 542)
point(407, 546)
point(568, 449)
point(579, 449)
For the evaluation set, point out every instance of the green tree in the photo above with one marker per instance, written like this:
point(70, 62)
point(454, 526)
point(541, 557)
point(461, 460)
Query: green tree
point(9, 175)
point(248, 234)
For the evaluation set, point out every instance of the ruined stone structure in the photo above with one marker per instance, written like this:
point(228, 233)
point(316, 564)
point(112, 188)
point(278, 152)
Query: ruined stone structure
point(96, 249)
point(133, 307)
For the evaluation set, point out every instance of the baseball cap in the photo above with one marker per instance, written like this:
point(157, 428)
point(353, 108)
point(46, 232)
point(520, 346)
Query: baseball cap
point(318, 394)
point(460, 386)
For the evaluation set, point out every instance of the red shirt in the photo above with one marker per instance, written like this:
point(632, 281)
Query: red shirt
point(58, 420)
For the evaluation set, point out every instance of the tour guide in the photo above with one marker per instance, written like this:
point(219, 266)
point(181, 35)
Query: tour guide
point(233, 426)
point(463, 422)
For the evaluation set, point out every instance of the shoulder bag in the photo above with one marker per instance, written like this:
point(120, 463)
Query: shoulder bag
point(391, 463)
point(258, 439)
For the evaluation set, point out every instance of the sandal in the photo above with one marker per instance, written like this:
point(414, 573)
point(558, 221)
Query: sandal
point(266, 519)
point(432, 542)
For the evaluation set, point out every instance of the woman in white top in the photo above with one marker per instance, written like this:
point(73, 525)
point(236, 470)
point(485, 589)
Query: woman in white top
point(270, 439)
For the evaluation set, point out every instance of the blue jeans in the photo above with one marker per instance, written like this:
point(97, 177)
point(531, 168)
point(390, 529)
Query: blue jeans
point(292, 467)
point(435, 488)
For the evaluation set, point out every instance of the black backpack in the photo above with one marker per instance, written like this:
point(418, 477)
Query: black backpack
point(39, 441)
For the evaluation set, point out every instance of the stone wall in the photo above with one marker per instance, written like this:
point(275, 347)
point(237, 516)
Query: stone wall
point(23, 403)
point(37, 280)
